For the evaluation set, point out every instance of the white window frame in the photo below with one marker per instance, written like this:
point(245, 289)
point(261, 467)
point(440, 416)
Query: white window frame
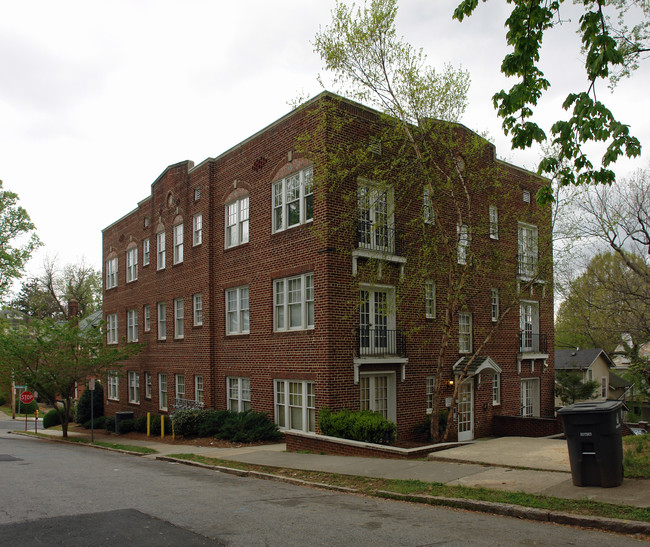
point(464, 332)
point(111, 329)
point(199, 389)
point(376, 216)
point(146, 252)
point(237, 222)
point(179, 384)
point(529, 325)
point(463, 244)
point(430, 389)
point(113, 386)
point(428, 213)
point(496, 389)
point(299, 188)
point(238, 310)
point(528, 249)
point(530, 396)
point(111, 272)
point(146, 312)
point(179, 318)
point(295, 404)
point(197, 305)
point(134, 387)
point(132, 264)
point(147, 385)
point(494, 222)
point(132, 325)
point(494, 304)
point(603, 387)
point(178, 243)
point(291, 293)
point(373, 384)
point(238, 393)
point(430, 299)
point(161, 251)
point(197, 229)
point(162, 320)
point(163, 396)
point(197, 194)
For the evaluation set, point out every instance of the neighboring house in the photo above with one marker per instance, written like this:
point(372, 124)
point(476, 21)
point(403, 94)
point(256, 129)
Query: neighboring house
point(244, 301)
point(594, 364)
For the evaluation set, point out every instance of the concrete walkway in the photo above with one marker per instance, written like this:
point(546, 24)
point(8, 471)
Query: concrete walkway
point(532, 465)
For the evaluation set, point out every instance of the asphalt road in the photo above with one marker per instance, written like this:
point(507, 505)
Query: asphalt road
point(59, 494)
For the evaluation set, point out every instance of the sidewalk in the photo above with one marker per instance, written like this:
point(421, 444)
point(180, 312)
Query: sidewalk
point(492, 463)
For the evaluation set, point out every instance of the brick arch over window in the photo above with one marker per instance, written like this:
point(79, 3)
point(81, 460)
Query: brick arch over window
point(131, 245)
point(289, 167)
point(237, 190)
point(236, 205)
point(292, 194)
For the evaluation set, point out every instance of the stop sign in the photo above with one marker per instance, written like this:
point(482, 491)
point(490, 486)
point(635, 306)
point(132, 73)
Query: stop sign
point(26, 397)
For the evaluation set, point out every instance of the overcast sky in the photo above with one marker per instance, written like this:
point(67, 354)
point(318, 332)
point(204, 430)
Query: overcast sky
point(97, 98)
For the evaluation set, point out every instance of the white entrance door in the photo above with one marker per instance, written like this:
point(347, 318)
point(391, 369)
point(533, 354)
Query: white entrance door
point(466, 411)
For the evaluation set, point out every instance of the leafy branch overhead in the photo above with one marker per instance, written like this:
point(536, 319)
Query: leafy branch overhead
point(612, 49)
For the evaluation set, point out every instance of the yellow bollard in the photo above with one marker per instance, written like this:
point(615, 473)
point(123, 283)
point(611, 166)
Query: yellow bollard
point(162, 426)
point(148, 424)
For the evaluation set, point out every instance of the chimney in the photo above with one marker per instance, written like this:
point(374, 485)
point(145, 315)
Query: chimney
point(73, 308)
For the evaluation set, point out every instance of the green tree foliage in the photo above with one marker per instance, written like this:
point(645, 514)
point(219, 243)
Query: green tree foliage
point(417, 152)
point(18, 239)
point(83, 410)
point(605, 302)
point(612, 49)
point(48, 294)
point(570, 387)
point(54, 357)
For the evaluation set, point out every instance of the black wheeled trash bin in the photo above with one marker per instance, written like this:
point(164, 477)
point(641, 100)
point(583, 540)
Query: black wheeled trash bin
point(593, 433)
point(120, 416)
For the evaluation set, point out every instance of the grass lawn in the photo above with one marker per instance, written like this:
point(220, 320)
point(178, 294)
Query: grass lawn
point(636, 456)
point(117, 446)
point(370, 486)
point(7, 410)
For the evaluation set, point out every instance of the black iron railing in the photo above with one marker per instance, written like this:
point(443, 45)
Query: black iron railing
point(380, 342)
point(530, 342)
point(378, 237)
point(527, 265)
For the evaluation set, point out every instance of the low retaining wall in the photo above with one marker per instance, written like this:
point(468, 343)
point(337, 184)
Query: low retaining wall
point(519, 426)
point(297, 442)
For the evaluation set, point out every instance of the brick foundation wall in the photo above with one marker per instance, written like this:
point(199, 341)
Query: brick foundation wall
point(519, 426)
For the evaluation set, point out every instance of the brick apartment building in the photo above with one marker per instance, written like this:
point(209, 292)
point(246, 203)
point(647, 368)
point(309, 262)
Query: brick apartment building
point(249, 292)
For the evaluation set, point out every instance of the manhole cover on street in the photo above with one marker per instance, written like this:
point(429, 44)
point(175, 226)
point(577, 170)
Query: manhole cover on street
point(8, 458)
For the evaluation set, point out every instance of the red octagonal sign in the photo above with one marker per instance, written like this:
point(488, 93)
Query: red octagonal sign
point(26, 397)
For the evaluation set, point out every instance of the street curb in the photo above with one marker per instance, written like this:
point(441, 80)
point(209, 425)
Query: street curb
point(63, 441)
point(528, 513)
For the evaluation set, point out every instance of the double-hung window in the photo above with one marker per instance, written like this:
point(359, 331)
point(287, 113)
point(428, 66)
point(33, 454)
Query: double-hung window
point(178, 243)
point(430, 387)
point(295, 405)
point(162, 391)
point(237, 222)
point(294, 302)
point(494, 222)
point(430, 299)
point(147, 385)
point(198, 389)
point(113, 392)
point(132, 264)
point(162, 321)
point(239, 394)
point(147, 317)
point(160, 250)
point(293, 200)
point(527, 250)
point(111, 273)
point(146, 252)
point(237, 311)
point(496, 389)
point(198, 309)
point(111, 328)
point(179, 318)
point(494, 292)
point(427, 206)
point(180, 386)
point(197, 229)
point(134, 387)
point(132, 326)
point(465, 332)
point(463, 243)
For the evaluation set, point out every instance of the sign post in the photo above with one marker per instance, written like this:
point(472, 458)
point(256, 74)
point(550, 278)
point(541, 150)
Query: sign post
point(91, 387)
point(26, 397)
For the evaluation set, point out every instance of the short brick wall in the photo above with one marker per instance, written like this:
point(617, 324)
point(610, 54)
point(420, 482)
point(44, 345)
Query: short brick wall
point(297, 442)
point(519, 426)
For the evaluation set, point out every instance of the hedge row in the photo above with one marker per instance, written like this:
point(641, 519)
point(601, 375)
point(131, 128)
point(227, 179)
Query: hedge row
point(241, 427)
point(362, 425)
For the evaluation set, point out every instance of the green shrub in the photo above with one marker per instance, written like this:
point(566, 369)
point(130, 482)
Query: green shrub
point(247, 427)
point(155, 425)
point(212, 422)
point(363, 425)
point(99, 423)
point(424, 427)
point(109, 423)
point(82, 413)
point(23, 408)
point(125, 426)
point(52, 418)
point(140, 424)
point(3, 399)
point(187, 421)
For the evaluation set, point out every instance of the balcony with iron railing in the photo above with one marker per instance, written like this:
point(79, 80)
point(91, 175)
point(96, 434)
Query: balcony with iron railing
point(380, 342)
point(527, 265)
point(380, 238)
point(530, 342)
